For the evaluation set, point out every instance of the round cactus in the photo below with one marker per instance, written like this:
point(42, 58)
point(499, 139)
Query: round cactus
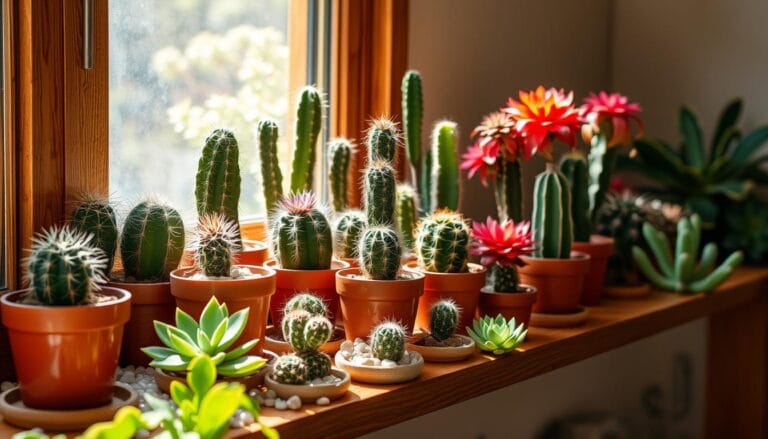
point(347, 231)
point(152, 241)
point(95, 216)
point(307, 302)
point(379, 253)
point(215, 242)
point(443, 318)
point(380, 193)
point(318, 364)
point(63, 267)
point(317, 332)
point(290, 369)
point(442, 242)
point(339, 156)
point(382, 141)
point(388, 341)
point(301, 234)
point(293, 329)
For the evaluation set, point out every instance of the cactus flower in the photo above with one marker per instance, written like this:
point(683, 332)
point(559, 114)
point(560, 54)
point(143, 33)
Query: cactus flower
point(613, 109)
point(502, 243)
point(481, 160)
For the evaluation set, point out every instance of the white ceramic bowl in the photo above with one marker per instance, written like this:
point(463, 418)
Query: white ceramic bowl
point(310, 393)
point(378, 374)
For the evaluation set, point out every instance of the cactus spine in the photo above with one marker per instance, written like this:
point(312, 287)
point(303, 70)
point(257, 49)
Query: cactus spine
point(271, 176)
point(95, 216)
point(301, 234)
point(443, 319)
point(388, 341)
point(574, 167)
point(339, 156)
point(380, 253)
point(442, 243)
point(505, 278)
point(215, 243)
point(306, 333)
point(217, 186)
point(308, 123)
point(318, 364)
point(152, 241)
point(382, 141)
point(380, 193)
point(444, 189)
point(552, 224)
point(290, 369)
point(509, 192)
point(413, 112)
point(407, 214)
point(347, 232)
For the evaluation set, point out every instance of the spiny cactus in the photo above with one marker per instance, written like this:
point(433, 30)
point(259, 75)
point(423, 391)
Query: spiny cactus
point(347, 232)
point(380, 193)
point(388, 341)
point(382, 140)
point(505, 278)
point(152, 241)
point(602, 161)
point(217, 186)
point(309, 115)
point(379, 253)
point(412, 111)
point(307, 302)
point(271, 176)
point(443, 318)
point(63, 267)
point(290, 369)
point(301, 234)
point(215, 245)
point(574, 167)
point(509, 191)
point(685, 273)
point(317, 332)
point(339, 155)
point(442, 242)
point(318, 364)
point(444, 189)
point(407, 214)
point(552, 224)
point(96, 216)
point(306, 332)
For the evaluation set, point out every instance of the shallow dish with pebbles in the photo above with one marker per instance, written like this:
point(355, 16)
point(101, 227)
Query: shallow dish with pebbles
point(357, 359)
point(455, 348)
point(333, 386)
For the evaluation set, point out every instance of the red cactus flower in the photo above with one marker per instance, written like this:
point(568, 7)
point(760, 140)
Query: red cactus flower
point(503, 243)
point(481, 160)
point(614, 109)
point(543, 115)
point(302, 202)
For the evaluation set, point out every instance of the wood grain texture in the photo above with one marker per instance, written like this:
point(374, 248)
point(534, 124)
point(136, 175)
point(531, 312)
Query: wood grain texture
point(9, 179)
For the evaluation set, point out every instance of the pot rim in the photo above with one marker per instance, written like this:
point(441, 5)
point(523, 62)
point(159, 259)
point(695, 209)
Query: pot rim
point(114, 280)
point(576, 256)
point(346, 273)
point(183, 274)
point(529, 290)
point(273, 264)
point(474, 269)
point(125, 296)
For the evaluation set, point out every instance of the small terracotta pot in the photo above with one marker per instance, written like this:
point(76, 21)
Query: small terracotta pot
point(366, 302)
point(321, 283)
point(599, 248)
point(518, 305)
point(149, 302)
point(559, 282)
point(463, 288)
point(253, 253)
point(254, 293)
point(65, 356)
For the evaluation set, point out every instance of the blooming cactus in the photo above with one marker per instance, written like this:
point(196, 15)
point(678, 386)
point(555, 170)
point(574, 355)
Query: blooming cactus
point(500, 247)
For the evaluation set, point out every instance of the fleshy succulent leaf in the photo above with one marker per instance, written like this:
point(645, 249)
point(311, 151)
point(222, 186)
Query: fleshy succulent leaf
point(173, 363)
point(211, 316)
point(157, 352)
point(241, 366)
point(186, 323)
point(235, 328)
point(241, 350)
point(201, 375)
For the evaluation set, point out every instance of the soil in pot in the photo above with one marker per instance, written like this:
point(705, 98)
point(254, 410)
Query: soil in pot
point(518, 305)
point(455, 348)
point(599, 248)
point(559, 282)
point(274, 341)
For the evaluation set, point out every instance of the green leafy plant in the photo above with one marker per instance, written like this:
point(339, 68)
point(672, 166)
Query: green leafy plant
point(497, 335)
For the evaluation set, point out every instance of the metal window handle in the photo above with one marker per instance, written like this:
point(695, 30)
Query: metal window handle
point(87, 34)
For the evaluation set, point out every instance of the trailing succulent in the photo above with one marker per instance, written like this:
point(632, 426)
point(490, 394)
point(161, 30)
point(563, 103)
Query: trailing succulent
point(215, 244)
point(443, 319)
point(305, 331)
point(442, 242)
point(213, 336)
point(301, 234)
point(217, 184)
point(388, 341)
point(497, 335)
point(95, 216)
point(347, 231)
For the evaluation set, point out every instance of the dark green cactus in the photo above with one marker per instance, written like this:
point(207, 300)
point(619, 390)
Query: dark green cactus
point(382, 141)
point(309, 115)
point(317, 332)
point(339, 156)
point(293, 329)
point(152, 241)
point(347, 232)
point(301, 234)
point(215, 244)
point(443, 319)
point(407, 214)
point(380, 253)
point(509, 191)
point(217, 185)
point(444, 189)
point(412, 111)
point(505, 278)
point(63, 267)
point(574, 167)
point(380, 193)
point(552, 223)
point(442, 242)
point(318, 364)
point(290, 369)
point(307, 302)
point(96, 216)
point(602, 162)
point(388, 341)
point(271, 176)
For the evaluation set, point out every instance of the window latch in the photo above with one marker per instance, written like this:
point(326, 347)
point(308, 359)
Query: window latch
point(87, 34)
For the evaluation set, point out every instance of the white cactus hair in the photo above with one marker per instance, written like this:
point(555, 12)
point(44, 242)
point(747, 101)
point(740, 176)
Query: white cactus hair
point(214, 226)
point(294, 204)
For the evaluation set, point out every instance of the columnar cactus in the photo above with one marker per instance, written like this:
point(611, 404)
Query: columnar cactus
point(552, 224)
point(95, 216)
point(509, 191)
point(602, 161)
point(442, 242)
point(63, 267)
point(407, 214)
point(443, 319)
point(413, 112)
point(152, 241)
point(574, 167)
point(380, 193)
point(301, 234)
point(217, 185)
point(380, 253)
point(309, 115)
point(347, 232)
point(215, 244)
point(382, 140)
point(307, 302)
point(271, 176)
point(444, 189)
point(290, 369)
point(388, 341)
point(339, 156)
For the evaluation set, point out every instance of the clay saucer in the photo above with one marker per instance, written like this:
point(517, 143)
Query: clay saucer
point(309, 393)
point(442, 354)
point(273, 340)
point(566, 320)
point(15, 412)
point(379, 374)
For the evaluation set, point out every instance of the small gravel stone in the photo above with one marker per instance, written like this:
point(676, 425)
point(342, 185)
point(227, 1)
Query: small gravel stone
point(245, 417)
point(280, 404)
point(128, 377)
point(323, 400)
point(376, 362)
point(294, 402)
point(269, 402)
point(330, 379)
point(271, 394)
point(316, 381)
point(347, 346)
point(6, 385)
point(388, 363)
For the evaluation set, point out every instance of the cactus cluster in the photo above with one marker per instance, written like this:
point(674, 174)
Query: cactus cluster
point(290, 369)
point(443, 319)
point(215, 244)
point(347, 231)
point(444, 188)
point(152, 241)
point(406, 211)
point(552, 223)
point(574, 167)
point(307, 302)
point(388, 341)
point(271, 176)
point(301, 234)
point(309, 116)
point(94, 215)
point(340, 153)
point(683, 271)
point(442, 242)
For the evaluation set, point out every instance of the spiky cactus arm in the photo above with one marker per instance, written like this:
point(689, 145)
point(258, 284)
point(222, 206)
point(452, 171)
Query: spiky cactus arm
point(380, 194)
point(293, 329)
point(552, 223)
point(290, 369)
point(380, 253)
point(425, 182)
point(442, 243)
point(443, 319)
point(509, 192)
point(217, 188)
point(317, 332)
point(318, 364)
point(271, 176)
point(412, 110)
point(574, 167)
point(215, 243)
point(602, 162)
point(382, 141)
point(309, 117)
point(407, 214)
point(505, 278)
point(339, 156)
point(301, 234)
point(445, 167)
point(152, 241)
point(96, 216)
point(388, 341)
point(347, 232)
point(307, 302)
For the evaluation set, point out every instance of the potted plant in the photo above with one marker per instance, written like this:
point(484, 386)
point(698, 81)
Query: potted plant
point(407, 214)
point(312, 304)
point(65, 331)
point(340, 153)
point(347, 229)
point(377, 290)
point(497, 335)
point(216, 274)
point(441, 343)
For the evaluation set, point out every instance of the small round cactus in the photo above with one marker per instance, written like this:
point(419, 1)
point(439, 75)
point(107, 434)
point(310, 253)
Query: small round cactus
point(388, 341)
point(443, 318)
point(301, 234)
point(318, 364)
point(317, 332)
point(290, 369)
point(308, 302)
point(293, 329)
point(382, 141)
point(347, 231)
point(96, 216)
point(379, 253)
point(215, 242)
point(442, 242)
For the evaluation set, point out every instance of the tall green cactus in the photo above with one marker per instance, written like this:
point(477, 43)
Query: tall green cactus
point(347, 232)
point(94, 215)
point(309, 117)
point(271, 176)
point(442, 243)
point(379, 253)
point(552, 223)
point(602, 161)
point(574, 167)
point(152, 241)
point(215, 244)
point(301, 234)
point(407, 214)
point(380, 193)
point(445, 167)
point(217, 185)
point(412, 112)
point(509, 191)
point(339, 157)
point(382, 140)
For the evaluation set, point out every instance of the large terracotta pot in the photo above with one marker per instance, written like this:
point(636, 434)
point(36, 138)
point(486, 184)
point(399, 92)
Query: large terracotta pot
point(518, 305)
point(462, 288)
point(559, 282)
point(149, 302)
point(365, 302)
point(253, 253)
point(65, 356)
point(254, 293)
point(599, 248)
point(321, 283)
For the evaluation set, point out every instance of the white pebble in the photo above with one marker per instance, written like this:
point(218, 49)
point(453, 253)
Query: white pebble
point(328, 379)
point(323, 400)
point(415, 357)
point(280, 404)
point(359, 340)
point(271, 394)
point(405, 359)
point(362, 361)
point(388, 363)
point(269, 402)
point(245, 417)
point(377, 362)
point(316, 381)
point(347, 346)
point(128, 377)
point(6, 385)
point(294, 402)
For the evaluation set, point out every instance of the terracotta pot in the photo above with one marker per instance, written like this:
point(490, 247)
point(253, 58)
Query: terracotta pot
point(518, 305)
point(463, 288)
point(253, 253)
point(559, 282)
point(65, 356)
point(149, 302)
point(254, 293)
point(365, 302)
point(599, 248)
point(321, 283)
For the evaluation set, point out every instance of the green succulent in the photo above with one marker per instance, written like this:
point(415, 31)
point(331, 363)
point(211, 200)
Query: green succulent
point(497, 335)
point(746, 228)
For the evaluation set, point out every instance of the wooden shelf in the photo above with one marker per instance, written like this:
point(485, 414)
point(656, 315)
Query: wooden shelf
point(612, 324)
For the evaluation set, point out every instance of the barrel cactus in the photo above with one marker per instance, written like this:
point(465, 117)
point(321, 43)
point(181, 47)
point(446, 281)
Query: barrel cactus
point(379, 253)
point(574, 167)
point(552, 224)
point(340, 153)
point(307, 302)
point(309, 116)
point(271, 176)
point(318, 364)
point(442, 242)
point(64, 267)
point(347, 232)
point(217, 184)
point(290, 369)
point(96, 216)
point(406, 211)
point(444, 188)
point(388, 341)
point(215, 244)
point(301, 234)
point(152, 241)
point(443, 319)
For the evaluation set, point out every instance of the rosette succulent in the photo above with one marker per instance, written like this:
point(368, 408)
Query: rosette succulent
point(497, 335)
